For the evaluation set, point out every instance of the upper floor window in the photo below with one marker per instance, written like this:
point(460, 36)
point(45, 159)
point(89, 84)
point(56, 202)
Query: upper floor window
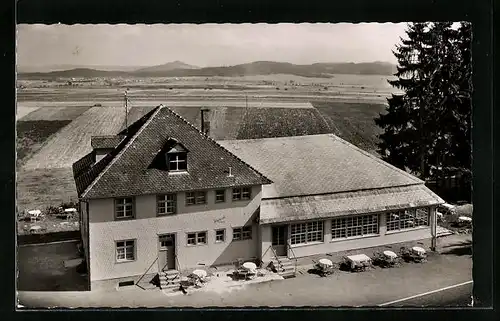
point(166, 204)
point(220, 196)
point(124, 207)
point(242, 193)
point(193, 198)
point(177, 159)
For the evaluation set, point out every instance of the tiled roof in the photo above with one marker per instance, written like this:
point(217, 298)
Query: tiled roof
point(128, 172)
point(349, 203)
point(106, 142)
point(85, 171)
point(316, 164)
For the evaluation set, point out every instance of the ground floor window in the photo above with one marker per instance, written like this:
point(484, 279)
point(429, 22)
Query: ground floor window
point(354, 226)
point(197, 238)
point(307, 232)
point(125, 251)
point(242, 233)
point(407, 219)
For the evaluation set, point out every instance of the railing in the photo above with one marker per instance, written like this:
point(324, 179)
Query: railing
point(142, 276)
point(274, 253)
point(294, 256)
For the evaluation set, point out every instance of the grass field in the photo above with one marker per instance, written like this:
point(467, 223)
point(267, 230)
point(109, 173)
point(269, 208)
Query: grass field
point(353, 122)
point(73, 141)
point(39, 188)
point(22, 111)
point(280, 122)
point(31, 135)
point(55, 113)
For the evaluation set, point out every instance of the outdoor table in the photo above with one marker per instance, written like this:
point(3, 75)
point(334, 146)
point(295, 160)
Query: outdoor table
point(390, 255)
point(418, 250)
point(201, 274)
point(35, 229)
point(325, 263)
point(250, 266)
point(358, 261)
point(464, 219)
point(34, 214)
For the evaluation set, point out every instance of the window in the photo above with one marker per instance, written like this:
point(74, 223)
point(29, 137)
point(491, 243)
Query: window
point(124, 207)
point(125, 251)
point(243, 193)
point(193, 198)
point(166, 204)
point(407, 219)
point(220, 196)
point(307, 232)
point(177, 161)
point(354, 226)
point(242, 233)
point(220, 236)
point(197, 238)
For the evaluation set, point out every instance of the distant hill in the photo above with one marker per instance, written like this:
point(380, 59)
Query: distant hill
point(180, 69)
point(63, 67)
point(166, 67)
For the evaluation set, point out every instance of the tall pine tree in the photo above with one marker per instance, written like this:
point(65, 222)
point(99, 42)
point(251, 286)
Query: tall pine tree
point(427, 127)
point(404, 141)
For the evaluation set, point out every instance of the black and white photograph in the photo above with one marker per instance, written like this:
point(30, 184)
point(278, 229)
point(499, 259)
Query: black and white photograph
point(244, 165)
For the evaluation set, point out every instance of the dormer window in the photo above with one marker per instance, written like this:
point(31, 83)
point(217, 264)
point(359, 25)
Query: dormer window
point(177, 159)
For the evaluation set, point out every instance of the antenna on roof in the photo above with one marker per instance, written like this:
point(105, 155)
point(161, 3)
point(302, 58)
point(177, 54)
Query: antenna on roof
point(126, 111)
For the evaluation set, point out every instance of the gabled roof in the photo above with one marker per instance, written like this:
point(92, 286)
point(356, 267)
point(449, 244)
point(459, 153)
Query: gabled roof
point(127, 174)
point(106, 142)
point(316, 164)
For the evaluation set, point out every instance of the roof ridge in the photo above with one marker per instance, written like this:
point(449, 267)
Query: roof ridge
point(348, 191)
point(378, 160)
point(122, 151)
point(217, 144)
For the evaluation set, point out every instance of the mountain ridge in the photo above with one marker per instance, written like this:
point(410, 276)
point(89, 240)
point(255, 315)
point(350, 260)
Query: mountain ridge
point(181, 69)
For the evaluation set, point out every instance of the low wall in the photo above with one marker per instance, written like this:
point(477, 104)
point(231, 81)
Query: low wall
point(48, 237)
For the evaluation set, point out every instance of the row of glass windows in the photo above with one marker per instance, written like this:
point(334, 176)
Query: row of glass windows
point(167, 204)
point(356, 226)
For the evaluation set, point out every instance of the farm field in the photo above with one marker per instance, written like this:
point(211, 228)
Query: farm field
point(56, 122)
point(353, 122)
point(31, 135)
point(55, 113)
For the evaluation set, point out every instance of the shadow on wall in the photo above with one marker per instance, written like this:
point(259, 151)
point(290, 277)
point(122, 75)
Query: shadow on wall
point(244, 249)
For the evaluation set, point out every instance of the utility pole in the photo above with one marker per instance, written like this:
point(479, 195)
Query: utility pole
point(126, 112)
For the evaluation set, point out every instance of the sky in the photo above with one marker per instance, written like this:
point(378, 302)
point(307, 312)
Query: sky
point(206, 44)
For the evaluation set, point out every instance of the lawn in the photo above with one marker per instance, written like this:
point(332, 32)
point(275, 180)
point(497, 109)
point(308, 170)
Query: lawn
point(39, 188)
point(354, 122)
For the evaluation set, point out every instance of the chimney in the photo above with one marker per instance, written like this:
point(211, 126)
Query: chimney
point(205, 125)
point(230, 173)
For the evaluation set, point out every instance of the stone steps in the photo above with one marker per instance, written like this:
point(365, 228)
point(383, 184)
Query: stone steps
point(169, 280)
point(284, 266)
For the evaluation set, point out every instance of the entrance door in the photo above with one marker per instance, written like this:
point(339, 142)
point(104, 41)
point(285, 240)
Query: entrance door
point(166, 253)
point(279, 240)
